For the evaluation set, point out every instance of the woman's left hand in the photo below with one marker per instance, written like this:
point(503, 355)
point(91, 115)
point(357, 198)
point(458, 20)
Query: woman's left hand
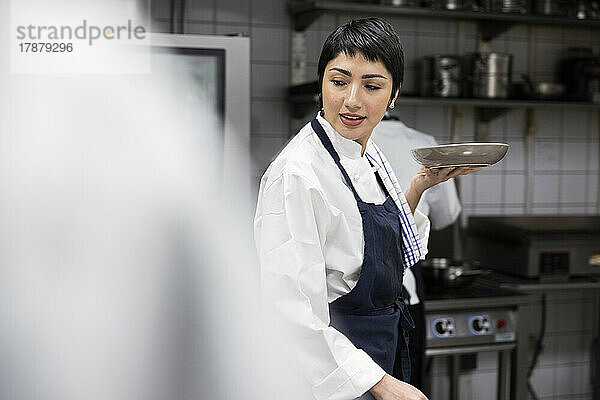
point(427, 177)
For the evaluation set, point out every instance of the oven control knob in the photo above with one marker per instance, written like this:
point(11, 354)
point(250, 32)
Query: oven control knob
point(480, 325)
point(442, 327)
point(439, 327)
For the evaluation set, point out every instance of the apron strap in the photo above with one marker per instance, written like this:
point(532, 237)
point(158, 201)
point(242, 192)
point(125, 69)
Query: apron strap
point(407, 325)
point(379, 180)
point(316, 126)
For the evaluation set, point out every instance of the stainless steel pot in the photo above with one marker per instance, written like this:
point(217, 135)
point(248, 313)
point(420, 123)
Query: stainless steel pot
point(491, 86)
point(510, 6)
point(442, 273)
point(441, 76)
point(503, 6)
point(551, 7)
point(453, 4)
point(490, 74)
point(400, 3)
point(491, 63)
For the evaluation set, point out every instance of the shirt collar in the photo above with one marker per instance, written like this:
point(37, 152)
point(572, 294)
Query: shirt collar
point(345, 147)
point(372, 153)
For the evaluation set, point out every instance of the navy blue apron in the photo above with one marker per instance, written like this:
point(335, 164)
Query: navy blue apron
point(373, 314)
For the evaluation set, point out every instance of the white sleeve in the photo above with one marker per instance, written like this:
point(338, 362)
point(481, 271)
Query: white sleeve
point(290, 226)
point(442, 200)
point(423, 227)
point(444, 205)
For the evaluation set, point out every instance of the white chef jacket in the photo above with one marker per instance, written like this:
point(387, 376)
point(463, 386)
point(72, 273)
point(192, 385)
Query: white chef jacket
point(309, 238)
point(440, 203)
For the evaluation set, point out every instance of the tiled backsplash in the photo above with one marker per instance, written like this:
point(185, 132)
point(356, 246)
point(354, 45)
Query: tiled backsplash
point(565, 166)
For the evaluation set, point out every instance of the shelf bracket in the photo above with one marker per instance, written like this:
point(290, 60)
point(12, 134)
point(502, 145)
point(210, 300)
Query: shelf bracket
point(490, 29)
point(487, 114)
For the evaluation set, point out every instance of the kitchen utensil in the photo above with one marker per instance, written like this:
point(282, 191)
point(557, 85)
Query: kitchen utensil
point(447, 273)
point(509, 6)
point(542, 90)
point(491, 86)
point(453, 4)
point(549, 90)
point(489, 74)
point(455, 155)
point(551, 7)
point(491, 63)
point(441, 76)
point(400, 3)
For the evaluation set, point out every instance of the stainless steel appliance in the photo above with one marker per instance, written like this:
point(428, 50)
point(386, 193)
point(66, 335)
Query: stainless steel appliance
point(441, 76)
point(548, 248)
point(510, 6)
point(453, 4)
point(476, 319)
point(489, 74)
point(400, 3)
point(220, 66)
point(551, 7)
point(503, 6)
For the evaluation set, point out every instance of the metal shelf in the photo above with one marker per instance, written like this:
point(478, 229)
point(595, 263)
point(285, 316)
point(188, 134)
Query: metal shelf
point(306, 12)
point(487, 109)
point(491, 103)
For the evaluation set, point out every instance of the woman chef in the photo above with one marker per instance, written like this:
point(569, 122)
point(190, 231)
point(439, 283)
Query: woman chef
point(335, 232)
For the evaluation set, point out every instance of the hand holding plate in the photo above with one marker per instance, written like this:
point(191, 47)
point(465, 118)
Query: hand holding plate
point(428, 177)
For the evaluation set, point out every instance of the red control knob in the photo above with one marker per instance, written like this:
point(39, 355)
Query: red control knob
point(501, 323)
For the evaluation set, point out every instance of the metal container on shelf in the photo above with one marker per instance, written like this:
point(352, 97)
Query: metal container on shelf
point(502, 6)
point(453, 4)
point(441, 76)
point(400, 3)
point(510, 6)
point(490, 74)
point(551, 7)
point(585, 9)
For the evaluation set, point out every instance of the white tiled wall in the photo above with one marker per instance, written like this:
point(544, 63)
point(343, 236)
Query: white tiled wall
point(566, 167)
point(563, 370)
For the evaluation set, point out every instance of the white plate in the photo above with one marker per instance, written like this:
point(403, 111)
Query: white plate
point(460, 155)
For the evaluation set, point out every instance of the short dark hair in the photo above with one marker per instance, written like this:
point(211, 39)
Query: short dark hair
point(374, 38)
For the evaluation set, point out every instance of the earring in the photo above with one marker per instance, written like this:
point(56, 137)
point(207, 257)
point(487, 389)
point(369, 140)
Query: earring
point(392, 105)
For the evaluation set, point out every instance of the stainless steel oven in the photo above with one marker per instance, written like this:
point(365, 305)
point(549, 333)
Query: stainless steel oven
point(546, 247)
point(220, 68)
point(478, 318)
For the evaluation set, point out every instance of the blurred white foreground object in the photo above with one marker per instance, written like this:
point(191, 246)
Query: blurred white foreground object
point(123, 272)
